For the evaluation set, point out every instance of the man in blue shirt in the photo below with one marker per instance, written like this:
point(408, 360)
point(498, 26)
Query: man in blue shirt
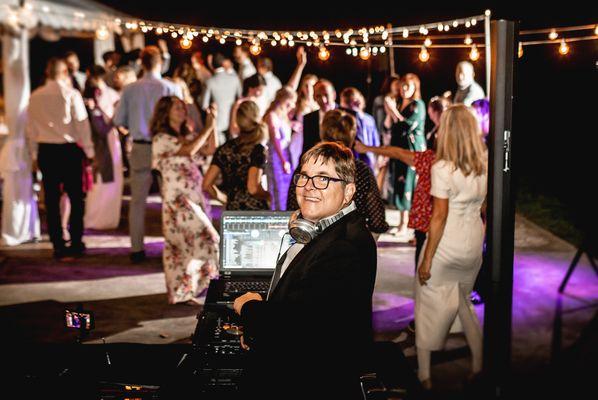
point(134, 112)
point(353, 100)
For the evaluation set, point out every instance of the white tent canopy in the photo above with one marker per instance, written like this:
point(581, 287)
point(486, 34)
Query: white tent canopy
point(20, 20)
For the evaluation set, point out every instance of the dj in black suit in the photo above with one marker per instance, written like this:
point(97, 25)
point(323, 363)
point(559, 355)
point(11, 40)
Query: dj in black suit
point(311, 337)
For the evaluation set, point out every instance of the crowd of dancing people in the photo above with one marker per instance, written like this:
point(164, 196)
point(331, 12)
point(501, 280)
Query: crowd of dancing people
point(213, 134)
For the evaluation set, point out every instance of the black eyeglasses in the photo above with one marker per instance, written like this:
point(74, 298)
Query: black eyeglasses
point(319, 181)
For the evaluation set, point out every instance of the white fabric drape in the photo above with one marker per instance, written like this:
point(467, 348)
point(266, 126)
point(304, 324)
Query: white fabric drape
point(20, 219)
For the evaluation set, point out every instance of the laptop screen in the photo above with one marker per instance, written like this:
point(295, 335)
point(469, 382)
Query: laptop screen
point(252, 240)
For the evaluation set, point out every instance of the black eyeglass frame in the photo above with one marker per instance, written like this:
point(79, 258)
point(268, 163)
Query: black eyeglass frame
point(298, 175)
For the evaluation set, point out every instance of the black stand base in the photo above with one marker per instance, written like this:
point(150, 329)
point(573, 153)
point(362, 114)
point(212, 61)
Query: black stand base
point(584, 248)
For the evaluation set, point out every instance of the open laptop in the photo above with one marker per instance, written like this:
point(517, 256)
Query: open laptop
point(250, 244)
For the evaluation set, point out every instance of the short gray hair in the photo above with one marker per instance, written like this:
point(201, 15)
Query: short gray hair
point(342, 156)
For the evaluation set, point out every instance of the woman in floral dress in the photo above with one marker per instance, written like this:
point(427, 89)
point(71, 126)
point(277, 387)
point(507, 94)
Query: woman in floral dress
point(190, 255)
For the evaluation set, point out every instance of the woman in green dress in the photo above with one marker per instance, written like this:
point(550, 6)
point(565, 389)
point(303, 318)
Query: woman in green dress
point(406, 121)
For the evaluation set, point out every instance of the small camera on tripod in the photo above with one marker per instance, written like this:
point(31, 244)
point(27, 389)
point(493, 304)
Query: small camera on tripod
point(81, 319)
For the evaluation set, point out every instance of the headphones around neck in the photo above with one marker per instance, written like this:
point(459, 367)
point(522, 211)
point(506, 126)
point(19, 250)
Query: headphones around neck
point(304, 231)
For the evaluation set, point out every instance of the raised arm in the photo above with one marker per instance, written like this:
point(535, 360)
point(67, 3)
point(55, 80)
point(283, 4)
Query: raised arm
point(295, 78)
point(234, 127)
point(192, 147)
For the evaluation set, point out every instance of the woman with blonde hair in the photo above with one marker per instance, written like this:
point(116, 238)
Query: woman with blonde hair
point(452, 254)
point(280, 161)
point(241, 161)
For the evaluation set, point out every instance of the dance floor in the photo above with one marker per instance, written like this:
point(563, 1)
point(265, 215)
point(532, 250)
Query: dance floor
point(129, 301)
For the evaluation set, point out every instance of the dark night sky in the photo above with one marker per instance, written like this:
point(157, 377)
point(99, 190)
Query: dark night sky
point(554, 100)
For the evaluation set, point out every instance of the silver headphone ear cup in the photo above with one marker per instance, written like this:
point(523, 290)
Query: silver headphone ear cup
point(302, 231)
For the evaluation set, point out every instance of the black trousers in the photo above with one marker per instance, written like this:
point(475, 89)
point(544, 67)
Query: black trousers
point(62, 169)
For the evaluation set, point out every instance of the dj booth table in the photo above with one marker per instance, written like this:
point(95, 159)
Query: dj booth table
point(217, 362)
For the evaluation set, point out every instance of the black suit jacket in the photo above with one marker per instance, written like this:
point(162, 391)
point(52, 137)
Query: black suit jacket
point(311, 130)
point(314, 333)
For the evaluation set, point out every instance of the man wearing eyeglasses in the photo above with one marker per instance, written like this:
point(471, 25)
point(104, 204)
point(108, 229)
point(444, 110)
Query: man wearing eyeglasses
point(311, 336)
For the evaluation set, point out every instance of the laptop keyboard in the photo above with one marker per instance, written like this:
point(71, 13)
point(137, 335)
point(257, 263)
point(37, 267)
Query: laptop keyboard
point(246, 286)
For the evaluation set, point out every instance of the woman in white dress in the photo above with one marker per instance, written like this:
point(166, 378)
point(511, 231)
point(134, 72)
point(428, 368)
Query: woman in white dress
point(103, 203)
point(20, 218)
point(453, 250)
point(190, 257)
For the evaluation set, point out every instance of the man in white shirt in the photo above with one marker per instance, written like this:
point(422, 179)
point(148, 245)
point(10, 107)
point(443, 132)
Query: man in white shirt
point(78, 78)
point(134, 112)
point(246, 68)
point(223, 89)
point(59, 138)
point(273, 84)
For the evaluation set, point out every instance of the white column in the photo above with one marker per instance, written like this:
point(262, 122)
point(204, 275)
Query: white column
point(102, 46)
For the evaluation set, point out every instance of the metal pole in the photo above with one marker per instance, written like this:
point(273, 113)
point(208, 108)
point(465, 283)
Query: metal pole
point(488, 52)
point(501, 212)
point(391, 52)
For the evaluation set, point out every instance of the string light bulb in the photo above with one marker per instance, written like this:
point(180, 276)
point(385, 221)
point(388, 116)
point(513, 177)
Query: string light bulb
point(474, 54)
point(102, 33)
point(323, 53)
point(564, 47)
point(553, 34)
point(405, 33)
point(255, 49)
point(520, 50)
point(428, 42)
point(424, 56)
point(185, 43)
point(382, 49)
point(596, 30)
point(348, 51)
point(364, 53)
point(159, 30)
point(238, 42)
point(468, 40)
